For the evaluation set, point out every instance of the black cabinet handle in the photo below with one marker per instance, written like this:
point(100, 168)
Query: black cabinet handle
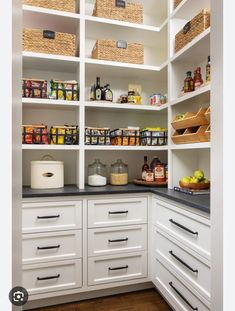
point(118, 240)
point(47, 247)
point(48, 277)
point(182, 297)
point(48, 217)
point(183, 227)
point(183, 263)
point(118, 212)
point(118, 268)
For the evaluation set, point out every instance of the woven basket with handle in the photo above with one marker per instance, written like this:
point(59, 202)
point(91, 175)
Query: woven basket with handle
point(60, 5)
point(111, 50)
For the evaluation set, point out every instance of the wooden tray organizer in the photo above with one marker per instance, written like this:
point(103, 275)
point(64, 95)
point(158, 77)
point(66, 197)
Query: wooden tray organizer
point(208, 132)
point(191, 129)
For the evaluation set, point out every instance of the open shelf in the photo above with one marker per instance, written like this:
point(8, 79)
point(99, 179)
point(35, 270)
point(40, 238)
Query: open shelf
point(126, 148)
point(206, 145)
point(200, 95)
point(187, 9)
point(50, 103)
point(50, 147)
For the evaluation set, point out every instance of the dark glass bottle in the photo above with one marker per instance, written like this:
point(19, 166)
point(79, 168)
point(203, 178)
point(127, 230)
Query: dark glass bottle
point(188, 83)
point(208, 70)
point(98, 90)
point(145, 168)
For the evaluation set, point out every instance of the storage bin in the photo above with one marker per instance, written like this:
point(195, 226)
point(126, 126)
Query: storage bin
point(35, 134)
point(97, 136)
point(64, 90)
point(47, 174)
point(49, 42)
point(192, 29)
point(151, 137)
point(190, 135)
point(34, 88)
point(176, 3)
point(118, 51)
point(125, 137)
point(119, 10)
point(190, 119)
point(60, 5)
point(208, 132)
point(64, 135)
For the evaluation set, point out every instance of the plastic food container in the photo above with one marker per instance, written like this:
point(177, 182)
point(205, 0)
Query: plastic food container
point(47, 174)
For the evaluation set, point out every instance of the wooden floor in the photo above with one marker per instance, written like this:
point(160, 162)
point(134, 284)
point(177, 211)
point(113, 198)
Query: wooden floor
point(147, 300)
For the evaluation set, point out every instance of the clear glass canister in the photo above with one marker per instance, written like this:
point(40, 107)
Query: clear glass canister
point(97, 174)
point(119, 173)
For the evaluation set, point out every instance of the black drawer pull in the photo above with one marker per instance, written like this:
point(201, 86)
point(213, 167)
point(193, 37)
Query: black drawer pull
point(48, 217)
point(118, 240)
point(47, 247)
point(181, 296)
point(183, 227)
point(48, 277)
point(118, 212)
point(183, 263)
point(118, 268)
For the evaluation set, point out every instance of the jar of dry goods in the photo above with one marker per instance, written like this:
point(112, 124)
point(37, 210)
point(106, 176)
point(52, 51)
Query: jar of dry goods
point(119, 173)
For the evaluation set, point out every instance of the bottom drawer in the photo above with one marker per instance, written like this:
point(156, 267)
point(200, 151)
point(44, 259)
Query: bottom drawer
point(113, 269)
point(49, 277)
point(175, 290)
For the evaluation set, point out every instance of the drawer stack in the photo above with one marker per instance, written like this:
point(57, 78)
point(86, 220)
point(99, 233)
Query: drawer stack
point(52, 246)
point(181, 256)
point(117, 240)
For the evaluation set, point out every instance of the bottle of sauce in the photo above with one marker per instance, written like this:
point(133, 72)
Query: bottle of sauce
point(159, 172)
point(208, 70)
point(98, 90)
point(188, 83)
point(108, 94)
point(145, 168)
point(197, 78)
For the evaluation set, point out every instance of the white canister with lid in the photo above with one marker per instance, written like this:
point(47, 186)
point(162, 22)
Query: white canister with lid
point(47, 174)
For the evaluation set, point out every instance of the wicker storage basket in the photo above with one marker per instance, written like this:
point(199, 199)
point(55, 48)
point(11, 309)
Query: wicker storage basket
point(191, 119)
point(190, 135)
point(119, 10)
point(49, 42)
point(60, 5)
point(118, 51)
point(176, 3)
point(192, 29)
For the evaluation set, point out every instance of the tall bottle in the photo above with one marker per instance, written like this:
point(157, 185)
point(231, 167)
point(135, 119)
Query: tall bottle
point(208, 70)
point(98, 90)
point(145, 167)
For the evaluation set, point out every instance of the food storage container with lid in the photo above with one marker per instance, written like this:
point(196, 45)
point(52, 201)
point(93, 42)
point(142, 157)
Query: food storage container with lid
point(97, 174)
point(119, 173)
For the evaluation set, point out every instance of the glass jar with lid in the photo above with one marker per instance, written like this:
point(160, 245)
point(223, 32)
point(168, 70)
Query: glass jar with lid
point(119, 173)
point(97, 174)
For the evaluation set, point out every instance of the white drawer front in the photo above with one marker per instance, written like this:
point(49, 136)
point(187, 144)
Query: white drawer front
point(117, 212)
point(182, 225)
point(116, 240)
point(111, 269)
point(177, 291)
point(45, 278)
point(51, 216)
point(46, 247)
point(196, 272)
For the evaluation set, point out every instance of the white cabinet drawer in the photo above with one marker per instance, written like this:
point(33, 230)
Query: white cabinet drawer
point(192, 230)
point(106, 241)
point(117, 212)
point(49, 277)
point(51, 216)
point(172, 288)
point(46, 247)
point(111, 269)
point(195, 271)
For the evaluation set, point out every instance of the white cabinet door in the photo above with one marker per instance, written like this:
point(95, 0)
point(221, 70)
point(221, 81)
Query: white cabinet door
point(105, 241)
point(45, 247)
point(51, 216)
point(49, 277)
point(109, 269)
point(117, 212)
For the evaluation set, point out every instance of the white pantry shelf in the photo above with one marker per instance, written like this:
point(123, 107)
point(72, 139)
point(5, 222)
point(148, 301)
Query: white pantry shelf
point(49, 103)
point(187, 9)
point(50, 147)
point(125, 148)
point(203, 145)
point(201, 95)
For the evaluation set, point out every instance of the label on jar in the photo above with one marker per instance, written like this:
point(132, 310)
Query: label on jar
point(159, 173)
point(149, 176)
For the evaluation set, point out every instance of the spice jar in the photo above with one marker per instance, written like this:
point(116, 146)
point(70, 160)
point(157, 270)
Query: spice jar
point(97, 174)
point(188, 83)
point(119, 173)
point(131, 97)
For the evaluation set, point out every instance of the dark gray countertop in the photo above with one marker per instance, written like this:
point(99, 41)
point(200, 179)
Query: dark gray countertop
point(201, 202)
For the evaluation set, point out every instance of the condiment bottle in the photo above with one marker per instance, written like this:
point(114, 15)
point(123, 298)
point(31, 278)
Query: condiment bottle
point(208, 70)
point(159, 172)
point(145, 168)
point(188, 83)
point(149, 175)
point(197, 78)
point(108, 94)
point(98, 90)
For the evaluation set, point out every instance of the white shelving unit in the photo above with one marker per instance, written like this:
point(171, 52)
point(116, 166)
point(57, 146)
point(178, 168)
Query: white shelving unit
point(162, 71)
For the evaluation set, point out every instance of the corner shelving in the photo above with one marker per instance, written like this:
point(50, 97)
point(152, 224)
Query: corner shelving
point(202, 94)
point(50, 103)
point(50, 147)
point(126, 148)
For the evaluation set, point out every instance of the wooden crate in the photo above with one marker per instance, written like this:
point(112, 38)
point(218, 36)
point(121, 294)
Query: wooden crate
point(190, 135)
point(60, 5)
point(192, 29)
point(49, 42)
point(119, 10)
point(191, 119)
point(118, 51)
point(208, 132)
point(208, 114)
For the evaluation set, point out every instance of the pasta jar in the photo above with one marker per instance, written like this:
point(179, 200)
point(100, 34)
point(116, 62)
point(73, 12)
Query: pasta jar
point(119, 173)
